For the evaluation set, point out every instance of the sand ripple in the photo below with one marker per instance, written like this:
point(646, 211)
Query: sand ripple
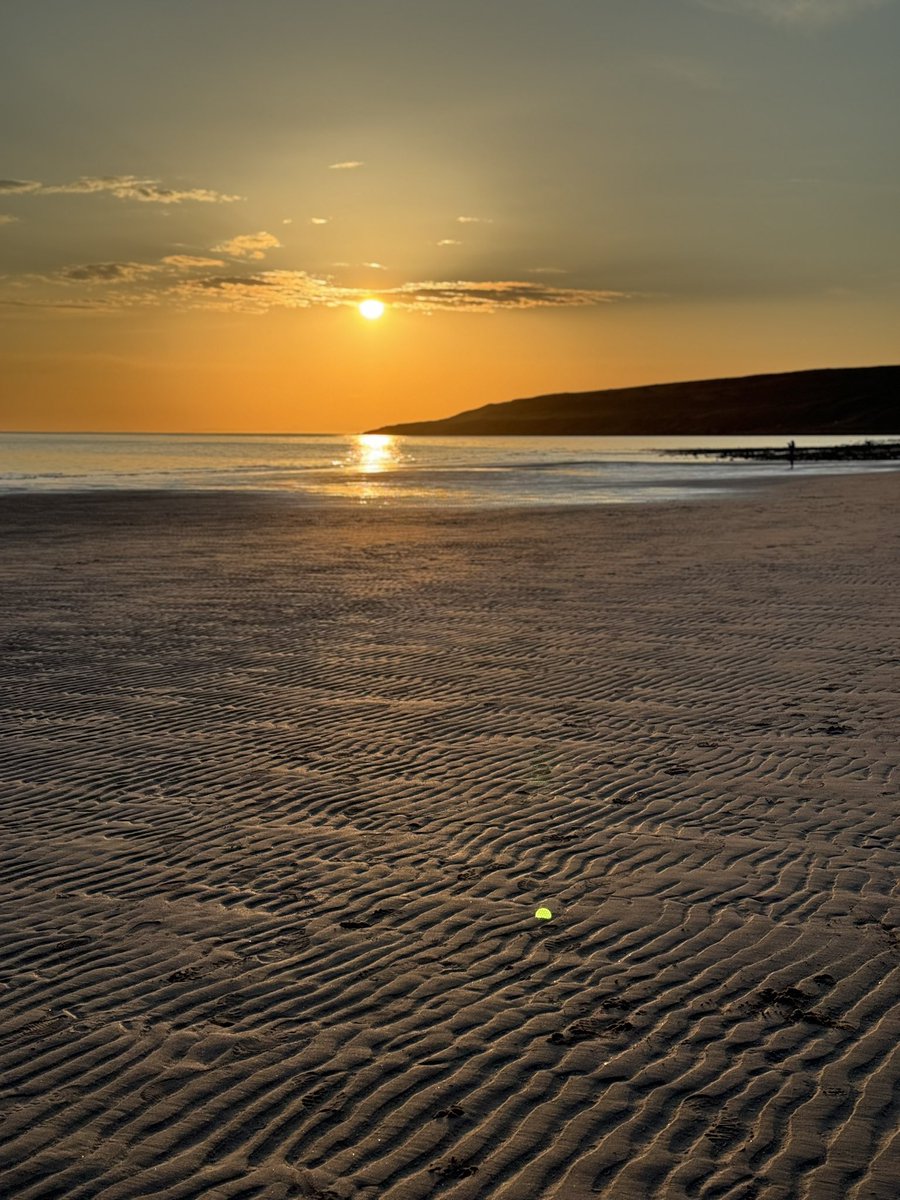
point(282, 788)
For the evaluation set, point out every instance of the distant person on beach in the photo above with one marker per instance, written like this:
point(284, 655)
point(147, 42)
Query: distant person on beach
point(792, 446)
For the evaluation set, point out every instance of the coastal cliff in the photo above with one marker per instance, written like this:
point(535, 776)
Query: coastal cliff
point(853, 400)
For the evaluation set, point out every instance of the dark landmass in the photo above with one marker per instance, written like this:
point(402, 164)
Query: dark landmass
point(852, 400)
point(849, 452)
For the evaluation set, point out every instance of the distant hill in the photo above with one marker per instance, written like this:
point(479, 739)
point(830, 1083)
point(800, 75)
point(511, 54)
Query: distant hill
point(842, 401)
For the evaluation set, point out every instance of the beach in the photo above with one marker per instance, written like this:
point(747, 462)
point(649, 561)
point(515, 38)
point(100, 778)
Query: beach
point(283, 786)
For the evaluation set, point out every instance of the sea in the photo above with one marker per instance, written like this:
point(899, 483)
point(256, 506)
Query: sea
point(380, 469)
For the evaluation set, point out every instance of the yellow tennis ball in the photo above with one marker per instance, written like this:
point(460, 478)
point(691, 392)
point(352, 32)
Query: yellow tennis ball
point(543, 914)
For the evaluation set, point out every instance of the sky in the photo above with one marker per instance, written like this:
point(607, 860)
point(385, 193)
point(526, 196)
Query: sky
point(546, 195)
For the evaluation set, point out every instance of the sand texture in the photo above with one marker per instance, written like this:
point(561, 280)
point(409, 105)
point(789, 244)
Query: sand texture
point(282, 788)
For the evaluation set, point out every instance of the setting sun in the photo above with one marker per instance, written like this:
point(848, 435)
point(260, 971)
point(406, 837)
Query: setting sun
point(371, 309)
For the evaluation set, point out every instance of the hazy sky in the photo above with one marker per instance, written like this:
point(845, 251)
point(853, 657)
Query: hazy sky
point(548, 195)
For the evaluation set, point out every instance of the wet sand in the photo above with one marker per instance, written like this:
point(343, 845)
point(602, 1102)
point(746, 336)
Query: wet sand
point(282, 788)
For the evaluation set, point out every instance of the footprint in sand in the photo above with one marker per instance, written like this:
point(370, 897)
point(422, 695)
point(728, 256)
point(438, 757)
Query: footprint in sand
point(590, 1029)
point(451, 1169)
point(453, 1110)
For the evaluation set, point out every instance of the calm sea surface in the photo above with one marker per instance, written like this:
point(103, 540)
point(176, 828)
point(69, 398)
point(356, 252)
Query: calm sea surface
point(376, 469)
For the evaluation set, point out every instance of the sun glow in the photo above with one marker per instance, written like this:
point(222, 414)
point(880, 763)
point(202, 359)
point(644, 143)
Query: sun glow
point(371, 309)
point(375, 452)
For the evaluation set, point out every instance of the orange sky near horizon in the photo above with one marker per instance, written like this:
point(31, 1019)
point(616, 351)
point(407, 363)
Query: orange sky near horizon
point(333, 372)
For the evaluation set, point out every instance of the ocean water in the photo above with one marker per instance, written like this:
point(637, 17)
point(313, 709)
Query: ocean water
point(373, 469)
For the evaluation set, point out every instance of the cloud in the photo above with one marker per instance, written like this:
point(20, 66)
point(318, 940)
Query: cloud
point(106, 272)
point(475, 220)
point(189, 281)
point(799, 13)
point(79, 306)
point(191, 262)
point(468, 296)
point(375, 266)
point(97, 287)
point(218, 282)
point(130, 187)
point(345, 166)
point(448, 242)
point(319, 220)
point(249, 245)
point(150, 192)
point(296, 289)
point(546, 271)
point(261, 291)
point(6, 219)
point(123, 187)
point(14, 186)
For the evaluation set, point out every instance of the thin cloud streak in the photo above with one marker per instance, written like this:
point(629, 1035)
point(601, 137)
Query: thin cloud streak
point(18, 186)
point(79, 306)
point(122, 187)
point(107, 272)
point(352, 165)
point(798, 13)
point(469, 296)
point(260, 292)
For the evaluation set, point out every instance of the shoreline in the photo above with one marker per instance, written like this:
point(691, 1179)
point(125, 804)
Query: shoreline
point(284, 784)
point(726, 488)
point(867, 451)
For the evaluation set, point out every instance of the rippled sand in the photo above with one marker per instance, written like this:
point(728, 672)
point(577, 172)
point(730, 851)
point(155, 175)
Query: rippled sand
point(282, 788)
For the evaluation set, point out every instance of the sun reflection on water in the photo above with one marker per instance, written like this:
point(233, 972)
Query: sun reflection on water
point(368, 466)
point(375, 452)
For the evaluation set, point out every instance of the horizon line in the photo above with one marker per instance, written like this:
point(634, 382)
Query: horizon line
point(181, 433)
